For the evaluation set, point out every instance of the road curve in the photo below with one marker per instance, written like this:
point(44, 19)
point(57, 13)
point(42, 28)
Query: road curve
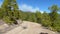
point(29, 28)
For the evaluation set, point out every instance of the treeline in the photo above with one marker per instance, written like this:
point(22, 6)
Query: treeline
point(9, 12)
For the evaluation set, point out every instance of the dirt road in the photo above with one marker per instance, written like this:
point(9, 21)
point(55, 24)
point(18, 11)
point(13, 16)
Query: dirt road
point(29, 28)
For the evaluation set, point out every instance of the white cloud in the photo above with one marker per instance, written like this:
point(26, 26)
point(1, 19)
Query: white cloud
point(25, 7)
point(41, 11)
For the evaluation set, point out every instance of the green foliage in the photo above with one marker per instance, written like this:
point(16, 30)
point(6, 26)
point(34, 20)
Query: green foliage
point(9, 10)
point(0, 13)
point(32, 17)
point(54, 8)
point(38, 17)
point(7, 20)
point(54, 16)
point(10, 7)
point(46, 19)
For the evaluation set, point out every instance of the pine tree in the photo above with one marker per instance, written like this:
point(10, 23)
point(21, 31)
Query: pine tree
point(10, 10)
point(10, 7)
point(54, 9)
point(54, 17)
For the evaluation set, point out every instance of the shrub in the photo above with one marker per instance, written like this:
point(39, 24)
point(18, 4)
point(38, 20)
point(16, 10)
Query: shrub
point(7, 20)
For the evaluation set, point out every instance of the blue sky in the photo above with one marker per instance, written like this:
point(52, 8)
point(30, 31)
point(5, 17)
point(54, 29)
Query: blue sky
point(33, 5)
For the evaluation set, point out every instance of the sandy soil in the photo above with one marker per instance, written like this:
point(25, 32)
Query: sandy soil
point(29, 28)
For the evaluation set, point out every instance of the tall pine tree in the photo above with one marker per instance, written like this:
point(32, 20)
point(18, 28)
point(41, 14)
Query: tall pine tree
point(54, 17)
point(10, 10)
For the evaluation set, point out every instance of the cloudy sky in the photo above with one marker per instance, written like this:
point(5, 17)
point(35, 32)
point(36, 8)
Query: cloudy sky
point(33, 5)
